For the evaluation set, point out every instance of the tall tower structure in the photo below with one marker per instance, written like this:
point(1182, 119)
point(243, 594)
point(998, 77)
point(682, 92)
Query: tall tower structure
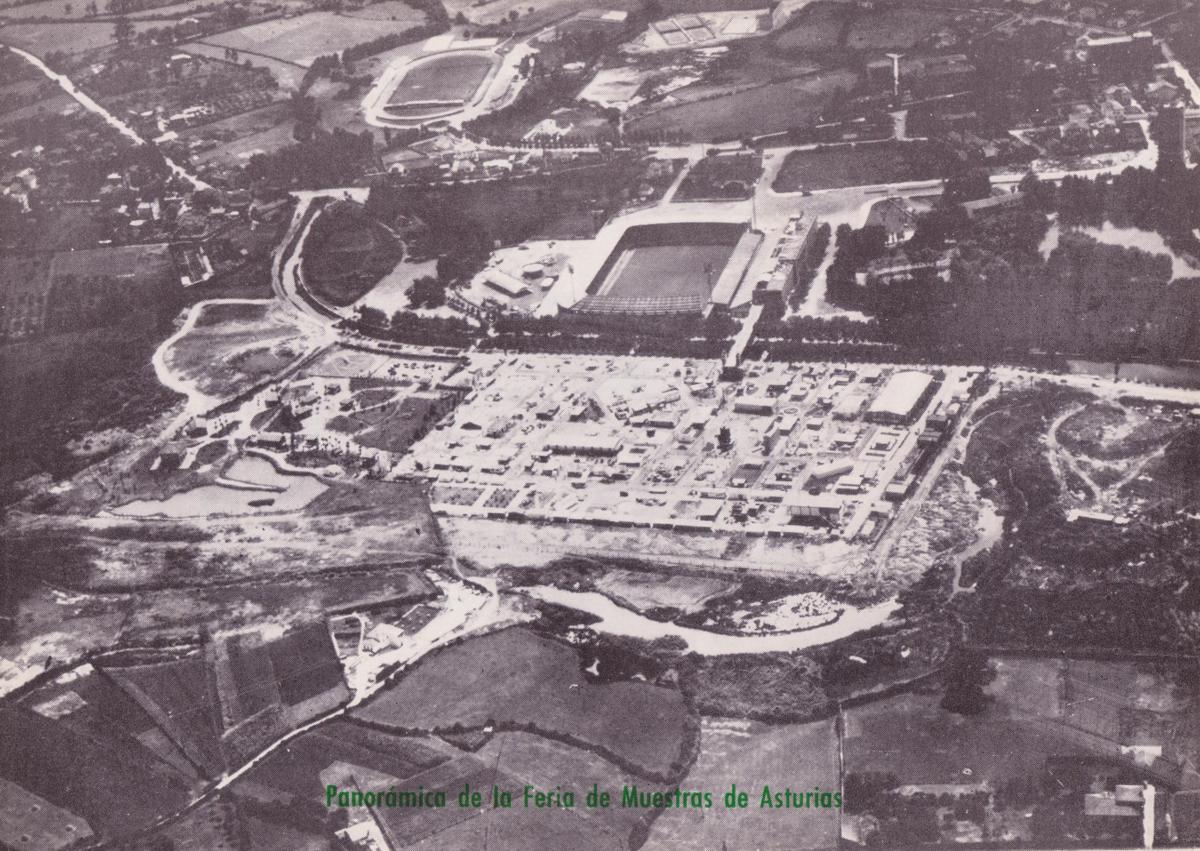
point(895, 57)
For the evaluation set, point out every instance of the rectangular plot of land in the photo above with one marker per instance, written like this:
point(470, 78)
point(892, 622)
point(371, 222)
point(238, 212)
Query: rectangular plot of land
point(442, 79)
point(303, 38)
point(667, 270)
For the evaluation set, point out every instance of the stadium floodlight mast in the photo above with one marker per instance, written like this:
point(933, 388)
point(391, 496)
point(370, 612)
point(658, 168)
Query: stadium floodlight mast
point(895, 57)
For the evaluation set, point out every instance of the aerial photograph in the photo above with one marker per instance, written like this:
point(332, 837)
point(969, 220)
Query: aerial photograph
point(552, 425)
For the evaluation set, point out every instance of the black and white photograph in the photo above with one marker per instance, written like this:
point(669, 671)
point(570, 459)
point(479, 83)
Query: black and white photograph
point(631, 425)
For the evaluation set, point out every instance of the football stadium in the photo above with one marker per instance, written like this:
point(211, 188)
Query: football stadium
point(440, 85)
point(671, 268)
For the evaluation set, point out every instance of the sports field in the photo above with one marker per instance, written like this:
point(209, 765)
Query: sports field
point(666, 270)
point(448, 78)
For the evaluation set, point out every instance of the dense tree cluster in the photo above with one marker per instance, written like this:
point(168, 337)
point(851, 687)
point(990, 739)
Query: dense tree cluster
point(1005, 297)
point(325, 159)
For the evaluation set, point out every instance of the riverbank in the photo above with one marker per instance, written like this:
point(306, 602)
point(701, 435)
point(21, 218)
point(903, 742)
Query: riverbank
point(617, 620)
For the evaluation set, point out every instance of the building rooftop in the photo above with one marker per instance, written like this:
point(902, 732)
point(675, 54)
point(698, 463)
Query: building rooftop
point(901, 394)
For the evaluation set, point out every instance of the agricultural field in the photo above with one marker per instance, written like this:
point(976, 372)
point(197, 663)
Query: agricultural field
point(912, 737)
point(68, 740)
point(1041, 719)
point(176, 695)
point(515, 677)
point(546, 763)
point(239, 137)
point(302, 39)
point(89, 704)
point(43, 38)
point(799, 757)
point(769, 108)
point(862, 165)
point(304, 664)
point(263, 693)
point(518, 759)
point(1117, 703)
point(212, 826)
point(159, 10)
point(287, 74)
point(232, 346)
point(295, 770)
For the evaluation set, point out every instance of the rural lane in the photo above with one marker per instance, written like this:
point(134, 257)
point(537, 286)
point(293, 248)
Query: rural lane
point(90, 105)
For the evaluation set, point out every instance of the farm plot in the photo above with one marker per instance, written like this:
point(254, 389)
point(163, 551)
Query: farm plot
point(799, 757)
point(912, 737)
point(1123, 703)
point(304, 663)
point(254, 709)
point(296, 768)
point(75, 770)
point(546, 763)
point(233, 346)
point(515, 677)
point(213, 826)
point(287, 74)
point(94, 706)
point(303, 38)
point(176, 696)
point(42, 38)
point(523, 828)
